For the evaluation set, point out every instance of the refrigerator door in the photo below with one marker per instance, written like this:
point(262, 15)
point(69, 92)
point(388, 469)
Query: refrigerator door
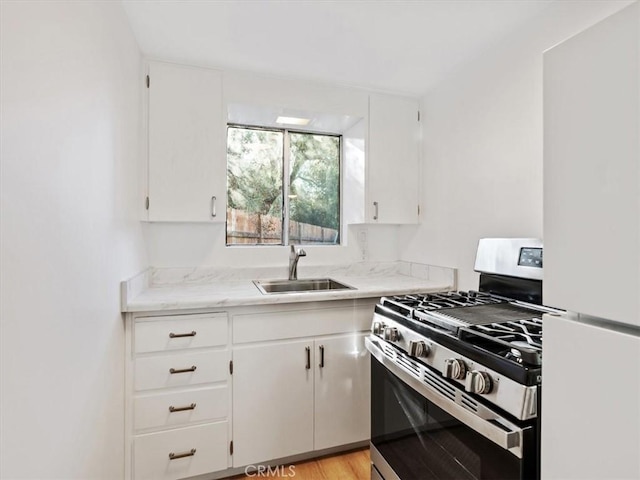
point(592, 170)
point(590, 400)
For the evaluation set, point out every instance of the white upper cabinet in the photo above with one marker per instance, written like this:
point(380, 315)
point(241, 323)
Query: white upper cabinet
point(187, 112)
point(392, 165)
point(186, 144)
point(592, 170)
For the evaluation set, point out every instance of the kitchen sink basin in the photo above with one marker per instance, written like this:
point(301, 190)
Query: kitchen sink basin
point(267, 287)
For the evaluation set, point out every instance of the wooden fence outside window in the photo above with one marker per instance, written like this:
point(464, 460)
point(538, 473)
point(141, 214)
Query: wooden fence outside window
point(254, 228)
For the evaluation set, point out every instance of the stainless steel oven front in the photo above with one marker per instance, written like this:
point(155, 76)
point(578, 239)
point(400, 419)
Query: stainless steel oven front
point(425, 427)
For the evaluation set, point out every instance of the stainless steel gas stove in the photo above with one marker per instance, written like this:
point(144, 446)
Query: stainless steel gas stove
point(456, 376)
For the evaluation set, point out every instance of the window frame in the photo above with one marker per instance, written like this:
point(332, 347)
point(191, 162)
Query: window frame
point(286, 162)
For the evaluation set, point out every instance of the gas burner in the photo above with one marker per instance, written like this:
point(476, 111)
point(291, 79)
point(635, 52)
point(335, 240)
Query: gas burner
point(493, 330)
point(519, 341)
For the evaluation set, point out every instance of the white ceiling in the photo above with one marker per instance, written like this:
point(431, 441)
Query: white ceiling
point(400, 46)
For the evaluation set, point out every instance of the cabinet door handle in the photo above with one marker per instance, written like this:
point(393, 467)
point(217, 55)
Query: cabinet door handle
point(182, 409)
point(308, 351)
point(321, 348)
point(178, 335)
point(375, 210)
point(190, 453)
point(182, 370)
point(213, 206)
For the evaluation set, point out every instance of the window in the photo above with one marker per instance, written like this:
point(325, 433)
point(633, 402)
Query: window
point(283, 187)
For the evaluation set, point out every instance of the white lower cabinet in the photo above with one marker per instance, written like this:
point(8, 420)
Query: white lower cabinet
point(210, 393)
point(291, 398)
point(180, 408)
point(181, 453)
point(272, 401)
point(342, 391)
point(184, 369)
point(304, 394)
point(178, 396)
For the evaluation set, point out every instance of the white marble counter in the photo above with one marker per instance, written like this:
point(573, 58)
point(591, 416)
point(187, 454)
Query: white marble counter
point(202, 288)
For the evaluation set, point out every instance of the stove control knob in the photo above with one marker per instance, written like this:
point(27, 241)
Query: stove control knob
point(391, 334)
point(478, 382)
point(454, 368)
point(377, 328)
point(417, 348)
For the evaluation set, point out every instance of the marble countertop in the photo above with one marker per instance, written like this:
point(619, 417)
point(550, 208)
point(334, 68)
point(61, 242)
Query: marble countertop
point(178, 289)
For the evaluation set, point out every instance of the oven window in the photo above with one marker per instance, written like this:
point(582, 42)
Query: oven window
point(421, 441)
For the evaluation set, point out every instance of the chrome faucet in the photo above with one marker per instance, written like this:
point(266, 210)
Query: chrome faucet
point(294, 256)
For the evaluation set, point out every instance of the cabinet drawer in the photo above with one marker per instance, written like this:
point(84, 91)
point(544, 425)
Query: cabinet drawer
point(158, 334)
point(188, 407)
point(258, 327)
point(205, 447)
point(188, 368)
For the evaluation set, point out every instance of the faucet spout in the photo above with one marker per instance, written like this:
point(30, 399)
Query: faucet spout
point(294, 256)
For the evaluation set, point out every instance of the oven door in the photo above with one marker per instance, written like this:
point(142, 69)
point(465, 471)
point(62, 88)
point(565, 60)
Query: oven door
point(423, 427)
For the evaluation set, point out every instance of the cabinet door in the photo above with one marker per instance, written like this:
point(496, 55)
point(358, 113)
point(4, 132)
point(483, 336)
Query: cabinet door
point(341, 391)
point(272, 401)
point(592, 170)
point(187, 164)
point(392, 163)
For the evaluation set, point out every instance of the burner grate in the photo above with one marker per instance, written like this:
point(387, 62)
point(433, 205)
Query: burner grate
point(527, 333)
point(478, 322)
point(490, 314)
point(427, 302)
point(519, 341)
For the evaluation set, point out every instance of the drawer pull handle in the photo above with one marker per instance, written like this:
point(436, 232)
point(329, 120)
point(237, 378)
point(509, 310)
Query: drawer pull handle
point(179, 335)
point(182, 409)
point(182, 370)
point(308, 352)
point(190, 453)
point(321, 364)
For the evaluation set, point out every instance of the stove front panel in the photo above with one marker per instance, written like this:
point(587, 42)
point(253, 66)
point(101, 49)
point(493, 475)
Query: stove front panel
point(414, 439)
point(511, 396)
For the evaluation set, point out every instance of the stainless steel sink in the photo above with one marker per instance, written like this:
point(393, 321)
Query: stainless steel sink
point(267, 287)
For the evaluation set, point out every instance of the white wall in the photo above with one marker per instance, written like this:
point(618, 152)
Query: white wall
point(194, 245)
point(70, 129)
point(482, 150)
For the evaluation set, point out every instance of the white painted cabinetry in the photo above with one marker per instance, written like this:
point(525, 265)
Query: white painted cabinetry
point(210, 393)
point(296, 395)
point(392, 164)
point(273, 401)
point(592, 170)
point(186, 170)
point(178, 396)
point(342, 390)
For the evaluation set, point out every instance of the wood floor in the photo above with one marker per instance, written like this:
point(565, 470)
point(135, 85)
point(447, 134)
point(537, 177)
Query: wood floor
point(354, 465)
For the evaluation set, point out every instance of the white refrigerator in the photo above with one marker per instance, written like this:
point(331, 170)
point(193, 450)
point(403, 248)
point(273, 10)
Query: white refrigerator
point(591, 365)
point(590, 400)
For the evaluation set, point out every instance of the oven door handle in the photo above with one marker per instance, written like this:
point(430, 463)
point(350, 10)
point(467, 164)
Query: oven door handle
point(489, 424)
